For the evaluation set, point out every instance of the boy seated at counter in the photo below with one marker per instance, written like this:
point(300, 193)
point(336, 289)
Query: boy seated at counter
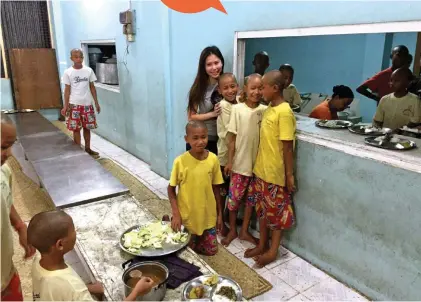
point(400, 108)
point(53, 234)
point(290, 93)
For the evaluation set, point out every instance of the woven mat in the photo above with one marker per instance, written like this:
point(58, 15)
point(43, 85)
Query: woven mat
point(36, 200)
point(224, 263)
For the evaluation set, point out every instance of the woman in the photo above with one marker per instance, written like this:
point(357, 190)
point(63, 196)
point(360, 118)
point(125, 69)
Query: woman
point(341, 98)
point(203, 95)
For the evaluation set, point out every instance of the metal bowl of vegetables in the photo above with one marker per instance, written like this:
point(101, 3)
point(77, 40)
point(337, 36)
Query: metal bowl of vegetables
point(153, 239)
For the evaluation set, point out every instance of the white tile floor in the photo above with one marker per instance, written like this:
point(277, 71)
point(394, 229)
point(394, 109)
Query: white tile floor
point(293, 278)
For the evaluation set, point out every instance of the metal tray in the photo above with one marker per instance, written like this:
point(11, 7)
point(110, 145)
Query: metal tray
point(408, 133)
point(361, 129)
point(167, 248)
point(338, 124)
point(210, 290)
point(402, 145)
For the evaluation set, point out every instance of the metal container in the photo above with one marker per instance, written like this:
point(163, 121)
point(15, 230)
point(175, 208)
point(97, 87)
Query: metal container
point(149, 268)
point(107, 73)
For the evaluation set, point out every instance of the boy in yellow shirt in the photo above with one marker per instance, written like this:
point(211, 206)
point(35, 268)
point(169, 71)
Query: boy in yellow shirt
point(273, 180)
point(53, 234)
point(197, 206)
point(400, 108)
point(10, 282)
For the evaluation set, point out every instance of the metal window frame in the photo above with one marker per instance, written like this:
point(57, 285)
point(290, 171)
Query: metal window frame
point(240, 37)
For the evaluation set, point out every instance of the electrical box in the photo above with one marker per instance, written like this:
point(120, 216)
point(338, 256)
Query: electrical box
point(127, 18)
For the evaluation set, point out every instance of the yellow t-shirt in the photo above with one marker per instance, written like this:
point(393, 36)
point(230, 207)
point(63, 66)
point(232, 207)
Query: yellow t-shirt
point(278, 124)
point(195, 199)
point(7, 268)
point(59, 285)
point(291, 95)
point(398, 112)
point(221, 126)
point(245, 124)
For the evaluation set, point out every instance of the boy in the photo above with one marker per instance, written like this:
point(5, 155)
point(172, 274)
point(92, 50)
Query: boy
point(273, 181)
point(53, 234)
point(79, 93)
point(400, 108)
point(197, 205)
point(228, 88)
point(10, 282)
point(378, 86)
point(290, 93)
point(261, 62)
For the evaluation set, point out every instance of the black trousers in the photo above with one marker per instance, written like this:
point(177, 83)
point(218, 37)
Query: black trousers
point(212, 147)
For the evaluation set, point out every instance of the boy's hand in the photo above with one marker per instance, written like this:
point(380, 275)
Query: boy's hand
point(143, 286)
point(290, 183)
point(176, 221)
point(227, 169)
point(96, 288)
point(64, 111)
point(23, 240)
point(219, 223)
point(98, 108)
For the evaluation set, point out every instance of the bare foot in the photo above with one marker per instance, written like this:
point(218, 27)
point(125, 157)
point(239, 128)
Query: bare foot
point(91, 152)
point(266, 258)
point(250, 253)
point(246, 236)
point(225, 231)
point(230, 237)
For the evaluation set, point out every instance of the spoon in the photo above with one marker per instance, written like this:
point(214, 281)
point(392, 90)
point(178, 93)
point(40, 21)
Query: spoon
point(135, 274)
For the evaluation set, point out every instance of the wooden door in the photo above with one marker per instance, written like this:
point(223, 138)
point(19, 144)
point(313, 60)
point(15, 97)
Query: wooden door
point(35, 76)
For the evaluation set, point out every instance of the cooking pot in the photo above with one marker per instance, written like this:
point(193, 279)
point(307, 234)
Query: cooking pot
point(148, 268)
point(107, 73)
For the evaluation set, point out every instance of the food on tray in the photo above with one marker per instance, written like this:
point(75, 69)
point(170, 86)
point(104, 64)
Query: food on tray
point(384, 139)
point(370, 129)
point(330, 124)
point(197, 292)
point(225, 293)
point(152, 235)
point(211, 281)
point(414, 130)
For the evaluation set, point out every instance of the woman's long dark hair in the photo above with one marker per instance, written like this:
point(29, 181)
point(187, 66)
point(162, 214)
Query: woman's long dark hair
point(200, 84)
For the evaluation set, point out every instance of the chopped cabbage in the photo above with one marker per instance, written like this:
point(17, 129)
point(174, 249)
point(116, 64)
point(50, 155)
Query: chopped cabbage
point(152, 235)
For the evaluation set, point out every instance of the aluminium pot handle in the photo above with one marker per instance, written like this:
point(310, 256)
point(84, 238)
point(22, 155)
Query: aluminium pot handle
point(128, 262)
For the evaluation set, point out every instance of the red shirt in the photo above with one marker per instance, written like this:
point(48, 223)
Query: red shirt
point(380, 82)
point(323, 112)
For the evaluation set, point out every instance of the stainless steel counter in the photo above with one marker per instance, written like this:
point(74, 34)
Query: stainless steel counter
point(70, 176)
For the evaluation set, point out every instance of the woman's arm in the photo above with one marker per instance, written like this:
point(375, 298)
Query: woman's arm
point(194, 116)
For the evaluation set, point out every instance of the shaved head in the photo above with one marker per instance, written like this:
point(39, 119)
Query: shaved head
point(250, 77)
point(227, 75)
point(46, 228)
point(76, 50)
point(274, 77)
point(404, 73)
point(195, 125)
